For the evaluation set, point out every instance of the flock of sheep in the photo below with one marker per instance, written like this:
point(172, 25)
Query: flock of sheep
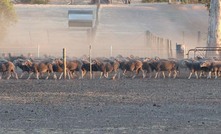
point(113, 66)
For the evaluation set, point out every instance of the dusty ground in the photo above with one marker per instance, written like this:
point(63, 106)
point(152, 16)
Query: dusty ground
point(106, 106)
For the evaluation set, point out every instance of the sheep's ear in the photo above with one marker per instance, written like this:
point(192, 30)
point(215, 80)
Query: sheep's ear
point(31, 59)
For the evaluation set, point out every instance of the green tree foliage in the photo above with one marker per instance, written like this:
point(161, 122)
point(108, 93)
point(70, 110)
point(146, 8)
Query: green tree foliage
point(7, 16)
point(207, 4)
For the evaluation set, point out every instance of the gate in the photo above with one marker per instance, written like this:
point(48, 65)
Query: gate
point(204, 52)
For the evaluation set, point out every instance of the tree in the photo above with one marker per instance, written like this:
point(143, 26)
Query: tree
point(34, 1)
point(214, 30)
point(7, 16)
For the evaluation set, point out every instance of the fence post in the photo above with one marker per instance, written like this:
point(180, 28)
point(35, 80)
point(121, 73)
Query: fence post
point(198, 38)
point(168, 48)
point(183, 37)
point(158, 45)
point(111, 51)
point(64, 61)
point(38, 51)
point(162, 47)
point(170, 45)
point(90, 49)
point(148, 38)
point(180, 49)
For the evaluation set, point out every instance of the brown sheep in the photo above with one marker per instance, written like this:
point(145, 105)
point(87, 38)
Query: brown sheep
point(9, 68)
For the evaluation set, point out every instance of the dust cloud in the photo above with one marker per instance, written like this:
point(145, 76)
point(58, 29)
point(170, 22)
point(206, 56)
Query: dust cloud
point(43, 30)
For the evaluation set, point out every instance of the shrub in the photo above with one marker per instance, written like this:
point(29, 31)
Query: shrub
point(34, 1)
point(39, 1)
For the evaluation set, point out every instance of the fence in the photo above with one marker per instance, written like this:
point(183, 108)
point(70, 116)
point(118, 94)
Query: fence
point(16, 51)
point(86, 2)
point(45, 43)
point(111, 52)
point(106, 43)
point(161, 46)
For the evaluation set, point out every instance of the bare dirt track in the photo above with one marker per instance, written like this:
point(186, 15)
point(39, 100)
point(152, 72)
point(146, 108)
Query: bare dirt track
point(106, 106)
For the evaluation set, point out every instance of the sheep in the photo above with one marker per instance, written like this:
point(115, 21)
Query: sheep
point(9, 68)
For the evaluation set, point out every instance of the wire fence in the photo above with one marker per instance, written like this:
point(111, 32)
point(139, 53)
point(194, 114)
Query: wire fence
point(86, 2)
point(105, 44)
point(36, 52)
point(111, 52)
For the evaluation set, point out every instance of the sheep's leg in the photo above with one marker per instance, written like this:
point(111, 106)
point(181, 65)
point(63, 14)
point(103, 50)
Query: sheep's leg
point(124, 72)
point(101, 75)
point(29, 76)
point(106, 75)
point(215, 74)
point(115, 74)
point(54, 76)
point(190, 75)
point(80, 76)
point(60, 75)
point(83, 73)
point(196, 75)
point(163, 74)
point(175, 74)
point(16, 75)
point(169, 74)
point(47, 76)
point(37, 76)
point(201, 73)
point(134, 76)
point(22, 74)
point(70, 75)
point(218, 74)
point(156, 75)
point(143, 73)
point(9, 76)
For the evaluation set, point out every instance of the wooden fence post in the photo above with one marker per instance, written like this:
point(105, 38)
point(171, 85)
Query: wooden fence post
point(198, 38)
point(38, 51)
point(158, 45)
point(171, 51)
point(64, 61)
point(90, 50)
